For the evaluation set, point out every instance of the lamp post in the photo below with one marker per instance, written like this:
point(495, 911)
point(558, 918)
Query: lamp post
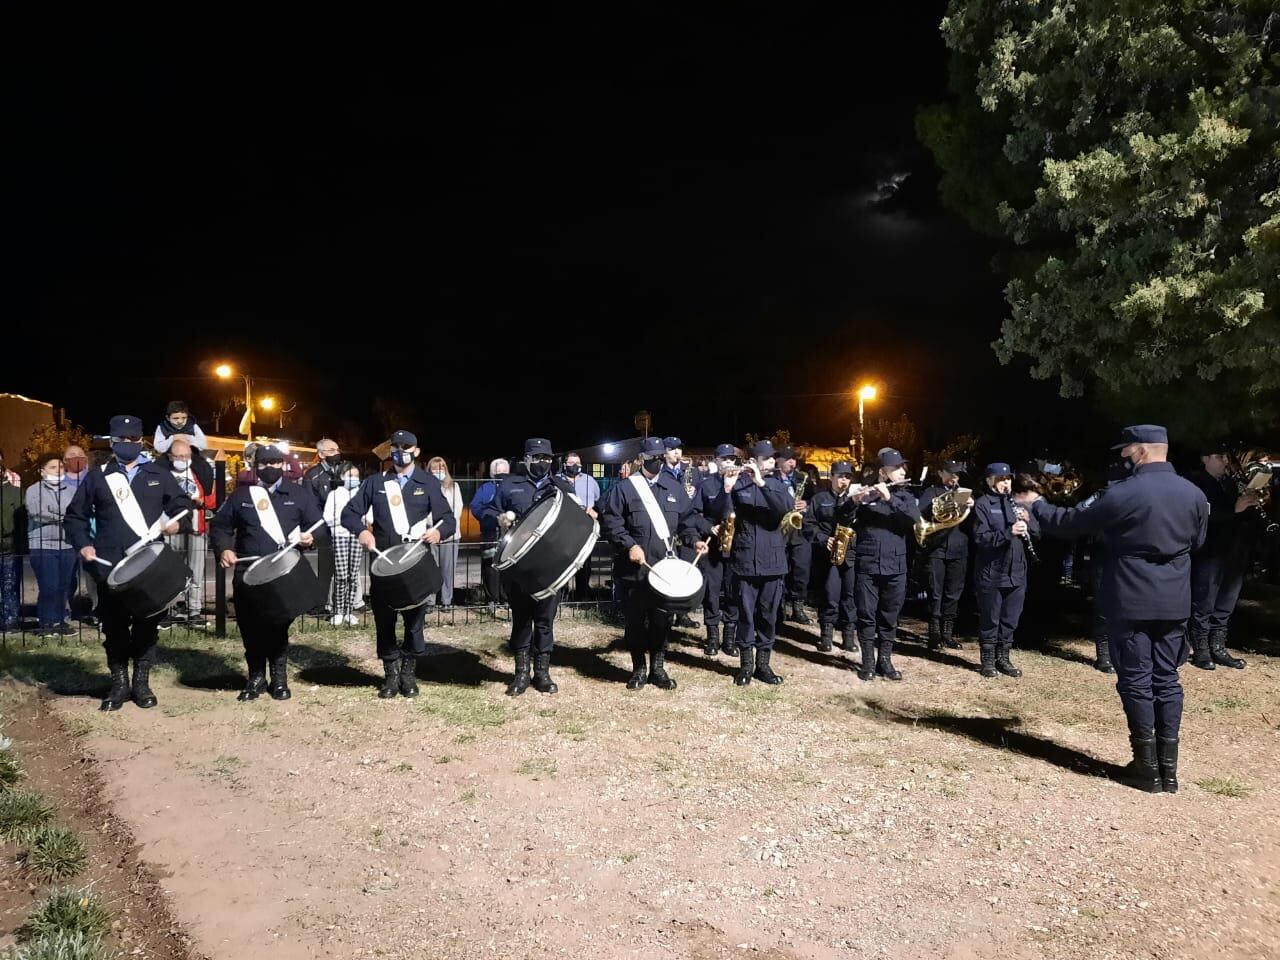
point(224, 371)
point(865, 393)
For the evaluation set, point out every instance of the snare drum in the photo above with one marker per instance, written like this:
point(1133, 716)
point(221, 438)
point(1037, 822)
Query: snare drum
point(677, 584)
point(405, 576)
point(279, 587)
point(148, 580)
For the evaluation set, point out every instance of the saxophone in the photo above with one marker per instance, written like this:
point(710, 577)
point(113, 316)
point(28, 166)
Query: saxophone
point(726, 533)
point(841, 547)
point(794, 519)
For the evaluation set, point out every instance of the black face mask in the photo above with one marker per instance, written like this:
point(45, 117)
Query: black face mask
point(653, 466)
point(126, 451)
point(333, 460)
point(573, 469)
point(270, 475)
point(539, 470)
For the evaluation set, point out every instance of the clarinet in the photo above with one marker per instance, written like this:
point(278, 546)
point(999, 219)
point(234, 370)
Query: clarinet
point(1022, 514)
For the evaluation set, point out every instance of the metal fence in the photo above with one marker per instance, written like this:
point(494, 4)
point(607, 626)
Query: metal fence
point(47, 593)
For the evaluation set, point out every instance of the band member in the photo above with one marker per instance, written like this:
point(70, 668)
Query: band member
point(1218, 568)
point(674, 465)
point(642, 516)
point(712, 500)
point(829, 526)
point(405, 500)
point(799, 552)
point(946, 558)
point(1002, 532)
point(1150, 524)
point(257, 521)
point(758, 561)
point(532, 621)
point(883, 525)
point(130, 500)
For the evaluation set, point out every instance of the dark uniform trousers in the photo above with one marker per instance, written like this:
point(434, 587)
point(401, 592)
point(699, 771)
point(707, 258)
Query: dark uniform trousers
point(126, 637)
point(759, 600)
point(491, 578)
point(385, 621)
point(647, 623)
point(799, 558)
point(839, 601)
point(1145, 654)
point(999, 608)
point(532, 622)
point(263, 639)
point(720, 599)
point(880, 599)
point(946, 584)
point(1216, 582)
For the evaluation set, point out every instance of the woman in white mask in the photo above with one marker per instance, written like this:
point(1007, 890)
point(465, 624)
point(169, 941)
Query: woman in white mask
point(53, 559)
point(348, 558)
point(446, 551)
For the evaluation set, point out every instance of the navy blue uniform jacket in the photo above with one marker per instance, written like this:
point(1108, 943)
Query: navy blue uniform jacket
point(155, 490)
point(422, 497)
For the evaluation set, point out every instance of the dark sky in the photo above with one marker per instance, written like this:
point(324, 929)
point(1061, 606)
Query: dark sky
point(500, 224)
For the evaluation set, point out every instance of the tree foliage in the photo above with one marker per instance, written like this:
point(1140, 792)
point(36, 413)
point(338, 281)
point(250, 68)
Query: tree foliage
point(1139, 173)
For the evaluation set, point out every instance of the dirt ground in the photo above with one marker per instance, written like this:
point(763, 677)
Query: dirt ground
point(941, 817)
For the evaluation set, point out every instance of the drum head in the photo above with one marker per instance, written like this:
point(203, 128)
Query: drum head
point(530, 527)
point(396, 560)
point(271, 567)
point(674, 577)
point(135, 564)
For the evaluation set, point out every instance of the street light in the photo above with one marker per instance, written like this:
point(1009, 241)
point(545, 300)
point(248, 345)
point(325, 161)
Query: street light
point(224, 371)
point(866, 393)
point(267, 403)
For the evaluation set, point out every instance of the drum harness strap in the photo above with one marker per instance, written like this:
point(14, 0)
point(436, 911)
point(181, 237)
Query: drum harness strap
point(656, 516)
point(399, 517)
point(269, 519)
point(130, 509)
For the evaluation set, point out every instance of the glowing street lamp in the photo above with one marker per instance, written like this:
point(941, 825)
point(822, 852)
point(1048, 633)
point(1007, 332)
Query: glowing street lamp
point(267, 403)
point(224, 371)
point(866, 393)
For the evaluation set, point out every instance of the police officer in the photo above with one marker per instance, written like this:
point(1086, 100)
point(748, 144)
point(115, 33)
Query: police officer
point(799, 551)
point(945, 555)
point(713, 501)
point(827, 510)
point(1002, 531)
point(532, 621)
point(1218, 568)
point(1150, 523)
point(643, 516)
point(758, 561)
point(258, 520)
point(112, 510)
point(404, 500)
point(674, 466)
point(884, 522)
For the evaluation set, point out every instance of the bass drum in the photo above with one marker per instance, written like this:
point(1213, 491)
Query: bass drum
point(547, 546)
point(278, 588)
point(148, 580)
point(405, 576)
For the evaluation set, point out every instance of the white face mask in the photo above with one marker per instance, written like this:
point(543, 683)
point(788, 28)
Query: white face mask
point(181, 466)
point(352, 483)
point(52, 477)
point(439, 475)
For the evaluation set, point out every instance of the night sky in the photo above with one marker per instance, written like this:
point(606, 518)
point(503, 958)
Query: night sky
point(502, 225)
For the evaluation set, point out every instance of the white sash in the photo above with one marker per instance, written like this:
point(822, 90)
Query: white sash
point(399, 517)
point(656, 516)
point(268, 518)
point(127, 504)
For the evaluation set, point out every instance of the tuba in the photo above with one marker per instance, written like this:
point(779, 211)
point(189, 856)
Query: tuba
point(949, 509)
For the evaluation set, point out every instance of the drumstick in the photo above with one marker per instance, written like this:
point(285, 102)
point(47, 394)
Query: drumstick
point(152, 536)
point(656, 573)
point(289, 546)
point(419, 543)
point(105, 563)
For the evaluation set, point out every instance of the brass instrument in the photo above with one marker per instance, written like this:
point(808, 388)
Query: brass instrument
point(841, 546)
point(949, 509)
point(1059, 485)
point(1252, 472)
point(726, 533)
point(794, 519)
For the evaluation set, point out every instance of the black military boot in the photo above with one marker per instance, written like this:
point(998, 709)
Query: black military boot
point(1200, 656)
point(730, 645)
point(1218, 651)
point(1003, 663)
point(520, 680)
point(746, 666)
point(391, 682)
point(1167, 756)
point(987, 652)
point(884, 662)
point(658, 675)
point(280, 677)
point(763, 672)
point(849, 638)
point(1102, 656)
point(408, 675)
point(797, 613)
point(935, 633)
point(639, 672)
point(949, 640)
point(867, 668)
point(1142, 773)
point(542, 681)
point(142, 694)
point(826, 632)
point(256, 685)
point(119, 692)
point(686, 622)
point(712, 646)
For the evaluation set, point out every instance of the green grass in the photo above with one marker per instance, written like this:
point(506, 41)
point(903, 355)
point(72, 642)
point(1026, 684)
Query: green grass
point(538, 768)
point(1225, 787)
point(10, 770)
point(55, 853)
point(1224, 704)
point(22, 811)
point(467, 796)
point(68, 912)
point(463, 707)
point(63, 946)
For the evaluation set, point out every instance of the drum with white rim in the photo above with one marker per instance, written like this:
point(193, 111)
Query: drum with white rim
point(404, 576)
point(677, 584)
point(547, 546)
point(149, 579)
point(278, 587)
